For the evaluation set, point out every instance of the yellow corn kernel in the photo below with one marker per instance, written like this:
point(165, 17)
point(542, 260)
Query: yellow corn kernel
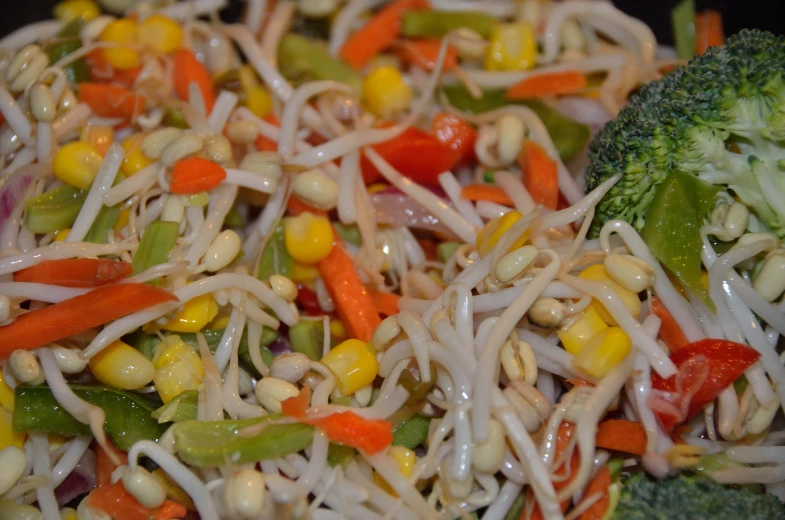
point(77, 164)
point(603, 352)
point(337, 329)
point(304, 273)
point(55, 441)
point(134, 160)
point(597, 273)
point(9, 437)
point(70, 9)
point(489, 235)
point(194, 315)
point(221, 322)
point(122, 366)
point(513, 46)
point(258, 100)
point(406, 460)
point(353, 364)
point(173, 491)
point(386, 93)
point(160, 33)
point(122, 31)
point(178, 367)
point(122, 219)
point(68, 513)
point(308, 237)
point(62, 234)
point(6, 394)
point(579, 332)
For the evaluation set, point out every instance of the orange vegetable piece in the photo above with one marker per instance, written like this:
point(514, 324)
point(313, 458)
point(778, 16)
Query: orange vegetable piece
point(553, 84)
point(386, 303)
point(194, 175)
point(187, 69)
point(600, 483)
point(485, 192)
point(75, 272)
point(708, 30)
point(540, 174)
point(457, 134)
point(111, 100)
point(425, 54)
point(104, 467)
point(116, 502)
point(622, 435)
point(670, 332)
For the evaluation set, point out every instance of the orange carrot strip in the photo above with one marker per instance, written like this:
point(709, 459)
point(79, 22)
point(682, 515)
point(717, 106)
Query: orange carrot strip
point(75, 272)
point(79, 314)
point(297, 406)
point(265, 144)
point(379, 33)
point(540, 174)
point(670, 332)
point(296, 207)
point(386, 303)
point(425, 54)
point(116, 502)
point(563, 437)
point(553, 84)
point(187, 69)
point(600, 483)
point(104, 467)
point(485, 192)
point(622, 435)
point(708, 30)
point(111, 101)
point(194, 175)
point(355, 306)
point(100, 138)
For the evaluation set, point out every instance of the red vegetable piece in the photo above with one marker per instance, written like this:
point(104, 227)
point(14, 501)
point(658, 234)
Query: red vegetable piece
point(455, 133)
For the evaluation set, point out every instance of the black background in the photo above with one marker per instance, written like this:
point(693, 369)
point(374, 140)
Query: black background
point(737, 14)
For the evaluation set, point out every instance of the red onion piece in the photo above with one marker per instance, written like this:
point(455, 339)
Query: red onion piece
point(587, 111)
point(398, 209)
point(13, 191)
point(80, 481)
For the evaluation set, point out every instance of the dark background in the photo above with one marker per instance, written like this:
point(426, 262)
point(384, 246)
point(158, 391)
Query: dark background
point(737, 14)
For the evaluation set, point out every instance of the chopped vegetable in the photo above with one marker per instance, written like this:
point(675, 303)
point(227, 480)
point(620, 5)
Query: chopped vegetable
point(670, 332)
point(540, 174)
point(386, 303)
point(105, 466)
point(104, 222)
point(116, 502)
point(61, 320)
point(195, 175)
point(599, 485)
point(708, 30)
point(457, 134)
point(445, 250)
point(275, 258)
point(436, 24)
point(475, 192)
point(564, 473)
point(621, 435)
point(425, 54)
point(76, 71)
point(53, 210)
point(181, 408)
point(186, 70)
point(412, 431)
point(307, 337)
point(75, 272)
point(102, 72)
point(553, 84)
point(158, 239)
point(302, 60)
point(683, 22)
point(349, 233)
point(111, 100)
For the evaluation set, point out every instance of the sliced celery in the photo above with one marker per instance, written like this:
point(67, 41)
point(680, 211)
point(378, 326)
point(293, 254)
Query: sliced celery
point(53, 210)
point(275, 258)
point(436, 24)
point(157, 241)
point(302, 60)
point(307, 337)
point(683, 21)
point(105, 221)
point(181, 408)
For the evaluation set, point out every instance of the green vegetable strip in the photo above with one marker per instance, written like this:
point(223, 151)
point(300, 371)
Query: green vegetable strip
point(307, 337)
point(411, 432)
point(181, 408)
point(128, 415)
point(212, 444)
point(157, 241)
point(349, 233)
point(53, 210)
point(275, 258)
point(76, 71)
point(683, 22)
point(436, 24)
point(105, 221)
point(302, 60)
point(445, 250)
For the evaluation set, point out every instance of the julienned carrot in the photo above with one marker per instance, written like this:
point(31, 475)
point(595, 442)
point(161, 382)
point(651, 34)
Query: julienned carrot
point(670, 332)
point(295, 207)
point(116, 502)
point(386, 303)
point(187, 69)
point(621, 435)
point(194, 175)
point(75, 272)
point(353, 302)
point(484, 192)
point(708, 30)
point(599, 485)
point(553, 84)
point(540, 174)
point(111, 100)
point(379, 33)
point(104, 467)
point(79, 314)
point(563, 437)
point(425, 53)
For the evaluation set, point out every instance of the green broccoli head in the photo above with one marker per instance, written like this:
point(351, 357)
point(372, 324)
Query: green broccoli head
point(690, 498)
point(721, 118)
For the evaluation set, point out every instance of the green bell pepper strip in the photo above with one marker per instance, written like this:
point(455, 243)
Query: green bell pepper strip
point(411, 432)
point(76, 71)
point(569, 136)
point(340, 455)
point(157, 241)
point(53, 210)
point(106, 219)
point(349, 233)
point(436, 24)
point(128, 415)
point(683, 23)
point(72, 29)
point(307, 337)
point(516, 510)
point(216, 443)
point(302, 60)
point(275, 258)
point(445, 250)
point(181, 408)
point(678, 209)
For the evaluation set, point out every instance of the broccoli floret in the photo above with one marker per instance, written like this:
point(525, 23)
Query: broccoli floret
point(691, 497)
point(721, 118)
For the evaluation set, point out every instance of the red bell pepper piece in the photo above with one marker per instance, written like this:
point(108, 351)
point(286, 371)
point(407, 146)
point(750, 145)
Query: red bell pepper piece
point(416, 154)
point(705, 368)
point(457, 134)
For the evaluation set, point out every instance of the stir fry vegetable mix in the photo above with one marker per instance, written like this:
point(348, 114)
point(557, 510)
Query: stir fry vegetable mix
point(339, 261)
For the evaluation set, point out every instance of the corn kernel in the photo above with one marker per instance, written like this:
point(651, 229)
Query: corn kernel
point(337, 329)
point(9, 437)
point(55, 441)
point(512, 47)
point(258, 100)
point(597, 273)
point(386, 93)
point(62, 234)
point(579, 332)
point(160, 33)
point(303, 273)
point(173, 491)
point(134, 160)
point(123, 217)
point(221, 322)
point(6, 394)
point(604, 352)
point(77, 164)
point(121, 31)
point(194, 315)
point(489, 235)
point(121, 366)
point(178, 367)
point(68, 513)
point(70, 9)
point(353, 364)
point(406, 460)
point(308, 238)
